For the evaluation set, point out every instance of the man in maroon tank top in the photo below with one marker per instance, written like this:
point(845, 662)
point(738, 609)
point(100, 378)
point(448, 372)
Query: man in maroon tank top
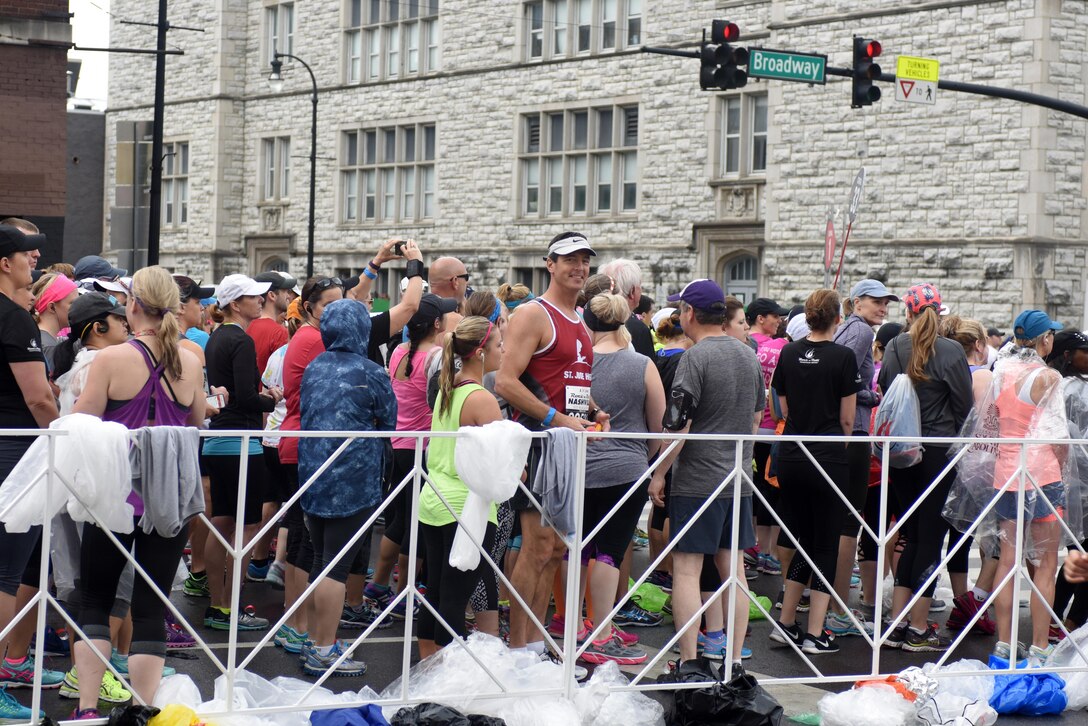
point(545, 376)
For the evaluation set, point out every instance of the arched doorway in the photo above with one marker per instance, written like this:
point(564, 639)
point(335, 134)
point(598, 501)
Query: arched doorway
point(741, 278)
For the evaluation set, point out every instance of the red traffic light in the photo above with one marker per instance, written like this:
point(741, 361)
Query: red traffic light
point(723, 31)
point(872, 48)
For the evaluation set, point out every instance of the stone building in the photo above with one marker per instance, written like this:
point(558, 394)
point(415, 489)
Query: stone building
point(483, 128)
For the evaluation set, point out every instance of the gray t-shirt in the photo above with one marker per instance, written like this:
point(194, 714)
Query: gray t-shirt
point(619, 387)
point(723, 378)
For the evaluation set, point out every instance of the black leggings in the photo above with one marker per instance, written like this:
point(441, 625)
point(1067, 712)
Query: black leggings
point(814, 514)
point(925, 530)
point(858, 454)
point(329, 535)
point(16, 548)
point(760, 452)
point(399, 513)
point(610, 544)
point(867, 549)
point(101, 564)
point(1065, 591)
point(448, 589)
point(300, 551)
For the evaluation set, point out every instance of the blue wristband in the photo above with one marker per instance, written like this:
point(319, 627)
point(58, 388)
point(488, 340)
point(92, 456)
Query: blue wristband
point(548, 419)
point(368, 273)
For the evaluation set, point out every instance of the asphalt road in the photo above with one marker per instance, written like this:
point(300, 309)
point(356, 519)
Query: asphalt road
point(383, 655)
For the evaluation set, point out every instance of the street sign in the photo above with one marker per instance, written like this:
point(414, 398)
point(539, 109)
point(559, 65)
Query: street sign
point(916, 79)
point(784, 65)
point(855, 194)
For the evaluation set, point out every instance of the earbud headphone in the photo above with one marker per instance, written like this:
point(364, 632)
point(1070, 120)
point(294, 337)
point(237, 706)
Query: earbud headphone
point(102, 327)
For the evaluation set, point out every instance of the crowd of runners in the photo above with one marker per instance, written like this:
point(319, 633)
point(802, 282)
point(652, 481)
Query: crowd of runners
point(590, 353)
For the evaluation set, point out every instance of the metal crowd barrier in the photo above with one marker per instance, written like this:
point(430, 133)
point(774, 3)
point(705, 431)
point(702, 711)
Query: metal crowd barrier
point(569, 650)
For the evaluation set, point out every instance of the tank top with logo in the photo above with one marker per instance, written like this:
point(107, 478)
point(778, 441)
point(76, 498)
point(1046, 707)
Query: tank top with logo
point(560, 373)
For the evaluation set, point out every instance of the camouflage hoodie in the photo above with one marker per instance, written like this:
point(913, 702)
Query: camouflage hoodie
point(342, 390)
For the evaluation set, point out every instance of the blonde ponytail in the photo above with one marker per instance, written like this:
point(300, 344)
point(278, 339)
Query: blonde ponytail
point(157, 295)
point(462, 342)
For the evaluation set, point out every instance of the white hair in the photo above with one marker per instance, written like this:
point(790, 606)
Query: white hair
point(626, 273)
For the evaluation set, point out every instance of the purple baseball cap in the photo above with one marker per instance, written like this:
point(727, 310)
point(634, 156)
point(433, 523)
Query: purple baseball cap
point(703, 294)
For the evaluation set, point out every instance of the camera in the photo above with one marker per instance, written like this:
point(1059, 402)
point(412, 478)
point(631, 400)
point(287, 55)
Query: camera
point(398, 247)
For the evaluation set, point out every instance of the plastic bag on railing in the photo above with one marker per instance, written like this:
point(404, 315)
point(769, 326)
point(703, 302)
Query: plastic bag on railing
point(973, 688)
point(93, 458)
point(1065, 655)
point(177, 689)
point(489, 460)
point(899, 414)
point(874, 705)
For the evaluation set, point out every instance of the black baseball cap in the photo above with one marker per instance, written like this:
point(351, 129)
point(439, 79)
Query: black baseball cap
point(431, 308)
point(1066, 341)
point(13, 239)
point(765, 306)
point(190, 288)
point(887, 332)
point(278, 280)
point(91, 306)
point(995, 331)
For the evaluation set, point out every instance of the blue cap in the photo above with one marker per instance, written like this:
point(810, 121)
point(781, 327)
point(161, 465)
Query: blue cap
point(872, 288)
point(1030, 324)
point(703, 294)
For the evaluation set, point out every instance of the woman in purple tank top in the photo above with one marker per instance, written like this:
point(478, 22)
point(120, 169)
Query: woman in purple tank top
point(149, 381)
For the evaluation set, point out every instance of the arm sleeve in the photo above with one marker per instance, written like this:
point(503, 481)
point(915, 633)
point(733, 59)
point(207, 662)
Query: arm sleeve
point(244, 369)
point(688, 378)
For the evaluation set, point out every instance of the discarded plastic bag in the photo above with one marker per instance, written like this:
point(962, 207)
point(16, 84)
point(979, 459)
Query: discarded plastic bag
point(754, 612)
point(489, 459)
point(435, 714)
point(369, 715)
point(1028, 693)
point(870, 706)
point(252, 691)
point(177, 689)
point(946, 709)
point(1065, 655)
point(133, 715)
point(175, 714)
point(598, 706)
point(972, 688)
point(740, 702)
point(899, 414)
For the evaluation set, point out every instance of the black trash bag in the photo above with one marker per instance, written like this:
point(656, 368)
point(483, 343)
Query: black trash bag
point(435, 714)
point(741, 702)
point(133, 715)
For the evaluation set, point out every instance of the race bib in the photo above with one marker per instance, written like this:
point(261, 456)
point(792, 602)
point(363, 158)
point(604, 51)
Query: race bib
point(578, 401)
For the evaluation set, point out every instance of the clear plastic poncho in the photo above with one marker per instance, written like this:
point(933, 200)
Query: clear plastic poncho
point(986, 468)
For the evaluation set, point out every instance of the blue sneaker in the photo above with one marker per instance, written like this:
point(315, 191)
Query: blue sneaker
point(120, 662)
point(718, 649)
point(316, 664)
point(257, 574)
point(291, 640)
point(22, 675)
point(399, 609)
point(769, 565)
point(56, 646)
point(11, 711)
point(634, 616)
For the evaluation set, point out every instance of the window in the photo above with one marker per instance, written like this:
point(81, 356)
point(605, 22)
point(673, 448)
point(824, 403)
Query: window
point(742, 279)
point(388, 39)
point(275, 168)
point(580, 162)
point(175, 184)
point(279, 28)
point(387, 174)
point(744, 135)
point(558, 28)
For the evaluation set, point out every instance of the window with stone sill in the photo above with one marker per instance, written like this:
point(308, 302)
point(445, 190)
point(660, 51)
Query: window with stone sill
point(564, 28)
point(279, 29)
point(388, 39)
point(275, 168)
point(387, 174)
point(175, 184)
point(743, 128)
point(579, 162)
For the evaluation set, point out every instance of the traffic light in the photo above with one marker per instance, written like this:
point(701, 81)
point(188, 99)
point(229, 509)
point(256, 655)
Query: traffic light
point(865, 72)
point(720, 59)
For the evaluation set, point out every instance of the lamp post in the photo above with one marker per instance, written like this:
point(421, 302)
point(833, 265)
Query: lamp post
point(275, 80)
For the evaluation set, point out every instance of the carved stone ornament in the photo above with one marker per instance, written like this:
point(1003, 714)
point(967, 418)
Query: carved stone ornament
point(271, 219)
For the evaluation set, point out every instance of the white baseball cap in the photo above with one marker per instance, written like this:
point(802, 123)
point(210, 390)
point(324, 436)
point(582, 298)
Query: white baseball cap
point(235, 286)
point(661, 315)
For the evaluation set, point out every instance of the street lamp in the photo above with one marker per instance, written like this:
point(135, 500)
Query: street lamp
point(275, 81)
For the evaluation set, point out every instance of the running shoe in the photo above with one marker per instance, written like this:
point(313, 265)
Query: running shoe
point(1055, 634)
point(611, 649)
point(640, 540)
point(290, 639)
point(666, 608)
point(220, 619)
point(719, 649)
point(580, 673)
point(22, 675)
point(111, 691)
point(896, 637)
point(1037, 656)
point(361, 617)
point(842, 626)
point(936, 605)
point(558, 624)
point(785, 634)
point(56, 643)
point(662, 579)
point(316, 664)
point(11, 711)
point(627, 639)
point(751, 557)
point(964, 608)
point(804, 604)
point(380, 595)
point(84, 714)
point(751, 572)
point(1003, 651)
point(634, 616)
point(818, 646)
point(257, 573)
point(855, 582)
point(769, 565)
point(196, 586)
point(176, 635)
point(120, 662)
point(275, 575)
point(928, 642)
point(400, 609)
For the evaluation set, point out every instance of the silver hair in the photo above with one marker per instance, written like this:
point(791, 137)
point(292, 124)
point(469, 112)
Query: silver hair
point(626, 273)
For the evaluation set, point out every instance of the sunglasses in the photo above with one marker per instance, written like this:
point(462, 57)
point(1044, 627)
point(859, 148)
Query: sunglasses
point(325, 283)
point(463, 276)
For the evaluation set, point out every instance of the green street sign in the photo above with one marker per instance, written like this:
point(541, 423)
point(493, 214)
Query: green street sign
point(784, 65)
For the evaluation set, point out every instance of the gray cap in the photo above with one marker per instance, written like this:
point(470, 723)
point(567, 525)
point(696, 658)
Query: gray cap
point(872, 288)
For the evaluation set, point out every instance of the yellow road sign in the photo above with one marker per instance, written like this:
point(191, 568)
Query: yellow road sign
point(917, 69)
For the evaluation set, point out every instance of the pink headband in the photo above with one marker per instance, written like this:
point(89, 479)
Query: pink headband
point(483, 343)
point(60, 288)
